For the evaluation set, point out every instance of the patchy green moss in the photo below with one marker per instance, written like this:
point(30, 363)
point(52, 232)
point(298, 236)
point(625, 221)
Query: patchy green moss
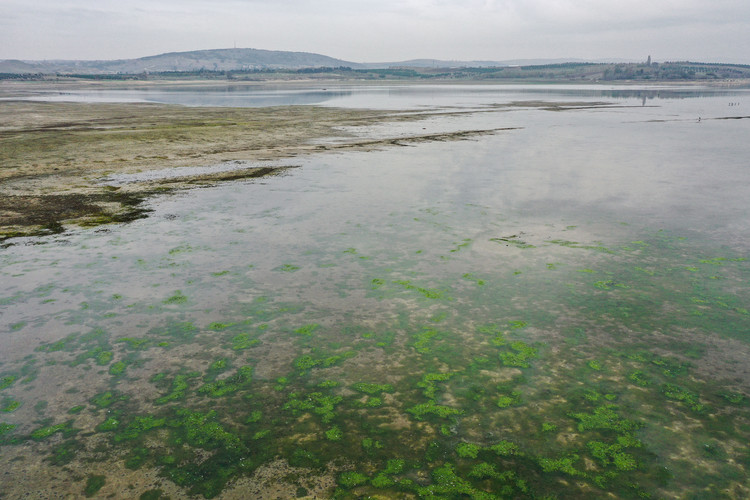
point(117, 368)
point(243, 341)
point(93, 484)
point(7, 381)
point(426, 292)
point(334, 433)
point(176, 298)
point(177, 390)
point(316, 403)
point(6, 428)
point(133, 343)
point(109, 425)
point(605, 418)
point(505, 448)
point(307, 330)
point(45, 432)
point(563, 464)
point(508, 400)
point(519, 356)
point(138, 426)
point(11, 406)
point(468, 450)
point(372, 388)
point(382, 481)
point(422, 411)
point(219, 388)
point(108, 398)
point(352, 479)
point(424, 338)
point(595, 365)
point(689, 398)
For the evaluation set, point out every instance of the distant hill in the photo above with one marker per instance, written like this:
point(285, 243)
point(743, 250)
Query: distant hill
point(15, 66)
point(209, 60)
point(239, 60)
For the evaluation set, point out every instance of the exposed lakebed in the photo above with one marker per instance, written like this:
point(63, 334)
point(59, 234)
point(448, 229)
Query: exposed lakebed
point(556, 309)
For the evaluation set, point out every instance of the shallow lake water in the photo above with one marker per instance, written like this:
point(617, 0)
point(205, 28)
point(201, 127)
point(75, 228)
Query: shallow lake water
point(556, 310)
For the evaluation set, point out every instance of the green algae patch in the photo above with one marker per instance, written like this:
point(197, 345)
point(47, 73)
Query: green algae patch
point(371, 388)
point(430, 408)
point(6, 429)
point(315, 403)
point(513, 240)
point(138, 426)
point(428, 293)
point(217, 326)
point(6, 381)
point(219, 388)
point(423, 339)
point(43, 433)
point(288, 268)
point(307, 330)
point(177, 389)
point(305, 363)
point(10, 406)
point(605, 418)
point(117, 368)
point(352, 479)
point(428, 383)
point(334, 433)
point(108, 398)
point(468, 450)
point(243, 341)
point(202, 430)
point(134, 344)
point(505, 448)
point(176, 298)
point(508, 400)
point(519, 355)
point(93, 484)
point(565, 465)
point(109, 425)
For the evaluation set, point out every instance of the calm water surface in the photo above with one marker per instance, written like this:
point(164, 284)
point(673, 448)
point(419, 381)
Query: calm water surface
point(554, 311)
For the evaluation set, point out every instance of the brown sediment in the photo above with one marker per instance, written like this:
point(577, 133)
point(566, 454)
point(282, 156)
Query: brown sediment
point(55, 154)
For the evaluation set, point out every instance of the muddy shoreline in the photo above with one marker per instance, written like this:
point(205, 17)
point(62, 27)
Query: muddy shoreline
point(55, 154)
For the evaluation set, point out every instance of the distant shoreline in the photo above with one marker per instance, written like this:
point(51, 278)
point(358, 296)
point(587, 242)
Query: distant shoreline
point(603, 73)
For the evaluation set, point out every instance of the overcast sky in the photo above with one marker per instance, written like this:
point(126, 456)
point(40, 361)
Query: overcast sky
point(381, 30)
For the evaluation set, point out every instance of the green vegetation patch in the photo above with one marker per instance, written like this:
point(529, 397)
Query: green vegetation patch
point(307, 330)
point(176, 298)
point(430, 408)
point(178, 388)
point(605, 418)
point(243, 341)
point(316, 403)
point(138, 426)
point(44, 432)
point(519, 355)
point(371, 388)
point(117, 368)
point(219, 388)
point(108, 398)
point(93, 484)
point(429, 293)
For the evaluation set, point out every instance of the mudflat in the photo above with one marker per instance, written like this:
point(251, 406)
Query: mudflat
point(54, 154)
